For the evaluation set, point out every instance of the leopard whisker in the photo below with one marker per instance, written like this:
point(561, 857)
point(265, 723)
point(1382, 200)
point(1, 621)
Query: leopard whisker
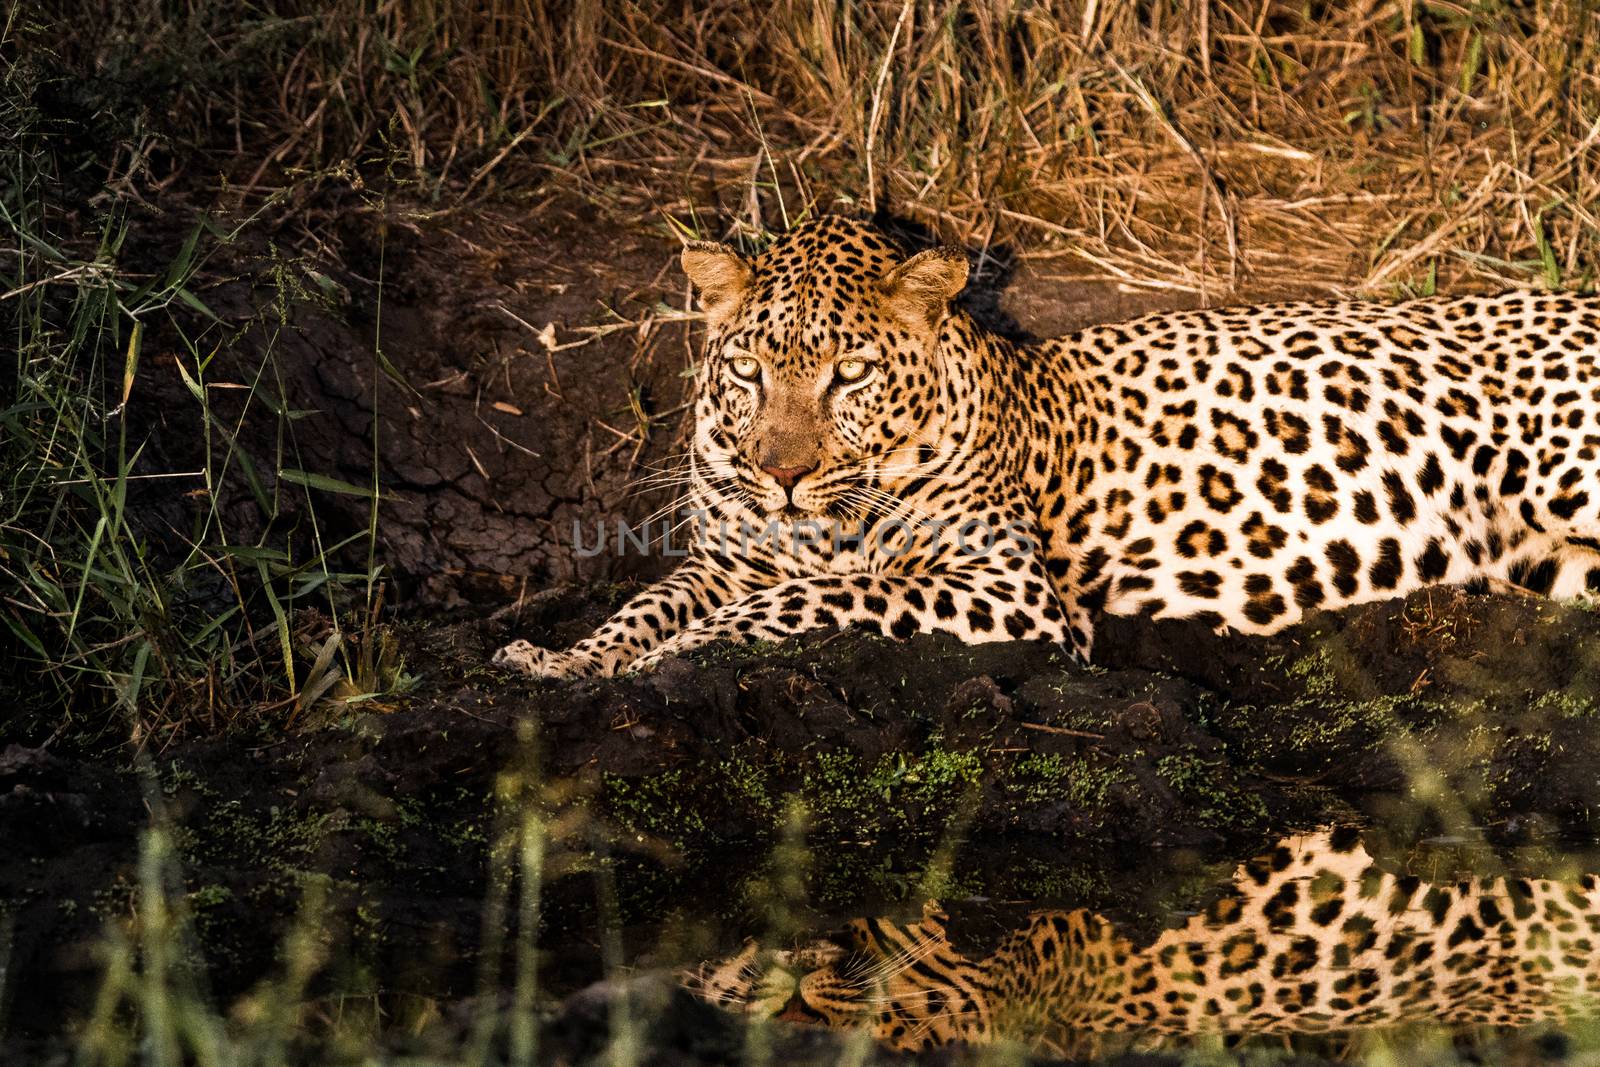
point(900, 961)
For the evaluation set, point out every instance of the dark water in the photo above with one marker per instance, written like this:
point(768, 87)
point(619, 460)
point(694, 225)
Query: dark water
point(1314, 946)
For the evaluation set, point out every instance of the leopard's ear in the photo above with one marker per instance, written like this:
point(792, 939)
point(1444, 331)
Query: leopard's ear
point(921, 288)
point(720, 274)
point(934, 917)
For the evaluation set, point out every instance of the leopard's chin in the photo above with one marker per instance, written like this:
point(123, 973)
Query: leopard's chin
point(779, 506)
point(802, 525)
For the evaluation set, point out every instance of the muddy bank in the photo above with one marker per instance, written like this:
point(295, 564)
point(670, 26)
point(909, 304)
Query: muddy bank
point(833, 775)
point(499, 379)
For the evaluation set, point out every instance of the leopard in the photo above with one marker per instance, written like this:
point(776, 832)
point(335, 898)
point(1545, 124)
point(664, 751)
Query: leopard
point(888, 463)
point(1312, 937)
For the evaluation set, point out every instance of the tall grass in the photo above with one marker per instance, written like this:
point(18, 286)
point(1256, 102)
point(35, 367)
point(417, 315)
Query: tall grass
point(153, 1009)
point(105, 601)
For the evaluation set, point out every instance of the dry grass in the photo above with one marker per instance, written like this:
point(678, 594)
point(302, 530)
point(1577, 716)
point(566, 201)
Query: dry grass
point(1236, 144)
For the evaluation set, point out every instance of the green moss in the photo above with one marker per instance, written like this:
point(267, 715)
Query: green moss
point(176, 778)
point(1207, 786)
point(279, 838)
point(726, 653)
point(1565, 704)
point(869, 825)
point(751, 784)
point(1035, 879)
point(1334, 715)
point(903, 791)
point(209, 896)
point(467, 832)
point(1084, 782)
point(925, 784)
point(1314, 671)
point(662, 805)
point(837, 791)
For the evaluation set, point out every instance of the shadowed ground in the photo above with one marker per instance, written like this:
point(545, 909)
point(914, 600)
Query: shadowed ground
point(926, 769)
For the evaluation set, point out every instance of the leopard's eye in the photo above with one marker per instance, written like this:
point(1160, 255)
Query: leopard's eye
point(746, 367)
point(852, 370)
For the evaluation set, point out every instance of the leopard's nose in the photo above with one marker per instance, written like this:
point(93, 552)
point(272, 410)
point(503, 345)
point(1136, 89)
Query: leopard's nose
point(788, 476)
point(798, 1011)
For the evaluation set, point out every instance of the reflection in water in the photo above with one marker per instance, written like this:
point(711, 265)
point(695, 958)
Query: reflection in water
point(1310, 938)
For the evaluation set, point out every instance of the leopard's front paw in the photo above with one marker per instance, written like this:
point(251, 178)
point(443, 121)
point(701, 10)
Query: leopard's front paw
point(671, 649)
point(537, 662)
point(646, 662)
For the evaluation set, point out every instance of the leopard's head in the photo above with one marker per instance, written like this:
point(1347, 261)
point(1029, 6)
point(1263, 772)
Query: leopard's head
point(823, 379)
point(903, 983)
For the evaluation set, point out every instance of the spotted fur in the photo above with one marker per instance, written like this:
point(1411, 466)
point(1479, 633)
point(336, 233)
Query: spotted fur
point(1239, 465)
point(1311, 938)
